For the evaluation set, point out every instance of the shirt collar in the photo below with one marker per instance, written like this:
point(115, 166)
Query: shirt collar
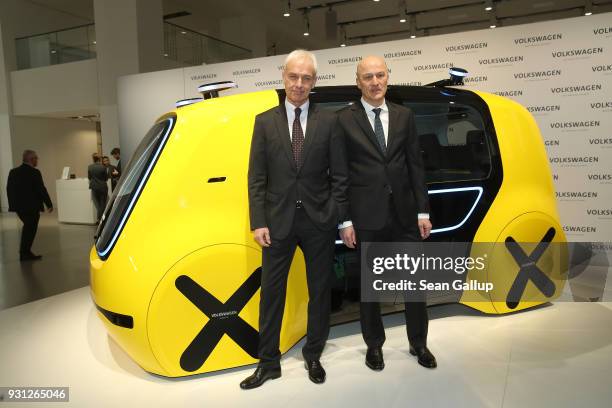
point(369, 107)
point(291, 108)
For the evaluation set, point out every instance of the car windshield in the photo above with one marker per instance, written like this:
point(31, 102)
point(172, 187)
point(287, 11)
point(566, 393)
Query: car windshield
point(130, 185)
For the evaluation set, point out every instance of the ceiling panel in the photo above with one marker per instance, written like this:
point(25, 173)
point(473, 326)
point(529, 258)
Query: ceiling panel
point(375, 20)
point(452, 16)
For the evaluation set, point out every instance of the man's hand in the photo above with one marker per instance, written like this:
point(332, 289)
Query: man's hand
point(424, 227)
point(50, 210)
point(262, 236)
point(348, 236)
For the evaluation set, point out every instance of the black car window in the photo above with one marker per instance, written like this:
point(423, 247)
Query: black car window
point(452, 140)
point(130, 185)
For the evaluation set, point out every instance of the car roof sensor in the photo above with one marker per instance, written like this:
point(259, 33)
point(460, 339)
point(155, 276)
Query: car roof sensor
point(188, 101)
point(456, 78)
point(212, 90)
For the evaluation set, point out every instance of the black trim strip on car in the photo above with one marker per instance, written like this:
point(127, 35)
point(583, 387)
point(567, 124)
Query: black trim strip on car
point(117, 319)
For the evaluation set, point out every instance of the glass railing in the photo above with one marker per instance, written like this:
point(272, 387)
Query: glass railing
point(185, 46)
point(192, 48)
point(58, 47)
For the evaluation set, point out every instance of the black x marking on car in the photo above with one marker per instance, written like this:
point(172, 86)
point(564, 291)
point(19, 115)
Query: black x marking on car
point(529, 270)
point(223, 317)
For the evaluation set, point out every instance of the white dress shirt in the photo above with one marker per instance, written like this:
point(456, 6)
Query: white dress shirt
point(291, 116)
point(384, 118)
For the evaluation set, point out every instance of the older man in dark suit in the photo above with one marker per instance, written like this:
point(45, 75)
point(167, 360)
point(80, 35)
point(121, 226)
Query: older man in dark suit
point(297, 195)
point(27, 197)
point(388, 199)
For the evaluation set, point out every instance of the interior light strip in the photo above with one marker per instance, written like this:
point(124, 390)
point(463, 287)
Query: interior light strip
point(450, 191)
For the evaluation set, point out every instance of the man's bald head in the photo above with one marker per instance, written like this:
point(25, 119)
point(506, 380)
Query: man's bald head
point(369, 61)
point(372, 78)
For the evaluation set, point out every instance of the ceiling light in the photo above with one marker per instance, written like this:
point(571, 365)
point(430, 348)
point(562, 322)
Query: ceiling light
point(343, 34)
point(489, 5)
point(306, 25)
point(402, 12)
point(492, 21)
point(588, 8)
point(287, 11)
point(412, 26)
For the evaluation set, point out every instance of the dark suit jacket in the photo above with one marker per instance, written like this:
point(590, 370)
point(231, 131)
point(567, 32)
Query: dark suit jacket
point(114, 179)
point(373, 176)
point(26, 190)
point(275, 184)
point(97, 174)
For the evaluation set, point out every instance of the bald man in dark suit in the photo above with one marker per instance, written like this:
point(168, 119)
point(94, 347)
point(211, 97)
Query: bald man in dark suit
point(388, 199)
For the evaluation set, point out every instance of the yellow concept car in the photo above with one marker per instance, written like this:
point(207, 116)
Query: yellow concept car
point(175, 272)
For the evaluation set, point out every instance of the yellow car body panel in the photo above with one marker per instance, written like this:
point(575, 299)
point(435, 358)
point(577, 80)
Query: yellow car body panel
point(524, 207)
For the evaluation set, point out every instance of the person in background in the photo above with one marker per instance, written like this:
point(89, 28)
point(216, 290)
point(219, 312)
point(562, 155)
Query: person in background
point(113, 174)
point(116, 153)
point(27, 196)
point(98, 176)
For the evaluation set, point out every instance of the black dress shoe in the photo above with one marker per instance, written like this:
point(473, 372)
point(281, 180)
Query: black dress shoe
point(260, 376)
point(374, 358)
point(29, 257)
point(316, 373)
point(425, 358)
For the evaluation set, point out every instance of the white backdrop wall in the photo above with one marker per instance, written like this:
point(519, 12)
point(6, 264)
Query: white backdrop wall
point(560, 70)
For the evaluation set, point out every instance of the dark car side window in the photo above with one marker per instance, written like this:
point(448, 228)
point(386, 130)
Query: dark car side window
point(452, 140)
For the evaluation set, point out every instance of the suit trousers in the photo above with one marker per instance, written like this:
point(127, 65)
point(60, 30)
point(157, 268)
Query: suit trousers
point(415, 312)
point(100, 198)
point(30, 226)
point(318, 248)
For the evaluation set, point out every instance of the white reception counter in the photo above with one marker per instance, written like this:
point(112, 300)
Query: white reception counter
point(74, 204)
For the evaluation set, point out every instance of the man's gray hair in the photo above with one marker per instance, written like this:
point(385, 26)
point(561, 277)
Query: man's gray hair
point(300, 54)
point(27, 155)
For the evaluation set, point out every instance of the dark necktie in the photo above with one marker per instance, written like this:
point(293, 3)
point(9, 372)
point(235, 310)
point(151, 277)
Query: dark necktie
point(297, 139)
point(379, 131)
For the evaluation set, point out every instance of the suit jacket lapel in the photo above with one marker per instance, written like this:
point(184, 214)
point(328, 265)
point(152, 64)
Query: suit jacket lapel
point(393, 119)
point(311, 129)
point(283, 133)
point(364, 123)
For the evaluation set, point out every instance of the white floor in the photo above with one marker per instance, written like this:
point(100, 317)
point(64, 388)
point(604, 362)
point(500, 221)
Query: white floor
point(555, 356)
